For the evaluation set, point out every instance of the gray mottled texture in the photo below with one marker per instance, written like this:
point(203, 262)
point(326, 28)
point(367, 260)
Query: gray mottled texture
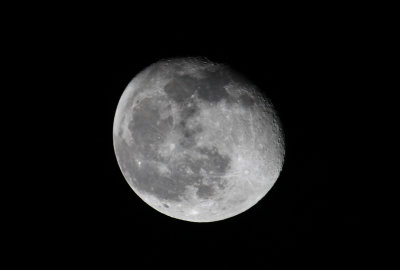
point(194, 140)
point(148, 132)
point(246, 100)
point(205, 191)
point(146, 127)
point(184, 173)
point(180, 88)
point(210, 88)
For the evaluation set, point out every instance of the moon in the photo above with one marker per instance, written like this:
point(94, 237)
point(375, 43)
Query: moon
point(196, 140)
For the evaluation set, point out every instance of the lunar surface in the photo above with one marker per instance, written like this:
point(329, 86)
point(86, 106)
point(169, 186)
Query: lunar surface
point(197, 141)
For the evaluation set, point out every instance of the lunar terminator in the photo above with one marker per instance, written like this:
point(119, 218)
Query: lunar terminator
point(196, 141)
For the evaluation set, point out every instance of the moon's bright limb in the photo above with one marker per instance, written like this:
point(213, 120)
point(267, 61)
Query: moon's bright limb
point(196, 141)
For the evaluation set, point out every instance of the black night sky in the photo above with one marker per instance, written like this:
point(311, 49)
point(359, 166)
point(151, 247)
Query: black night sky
point(313, 212)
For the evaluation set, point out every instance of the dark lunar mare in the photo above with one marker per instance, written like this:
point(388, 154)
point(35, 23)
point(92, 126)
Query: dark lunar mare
point(246, 100)
point(216, 165)
point(188, 109)
point(148, 132)
point(211, 88)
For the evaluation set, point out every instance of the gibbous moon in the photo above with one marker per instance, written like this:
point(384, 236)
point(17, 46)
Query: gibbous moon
point(196, 140)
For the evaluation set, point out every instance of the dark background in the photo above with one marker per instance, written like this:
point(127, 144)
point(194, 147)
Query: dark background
point(307, 66)
point(311, 213)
